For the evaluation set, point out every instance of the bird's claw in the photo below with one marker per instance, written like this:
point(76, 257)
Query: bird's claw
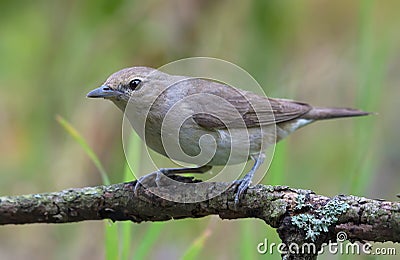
point(151, 177)
point(240, 187)
point(160, 178)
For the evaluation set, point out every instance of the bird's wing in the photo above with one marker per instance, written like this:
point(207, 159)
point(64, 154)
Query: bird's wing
point(245, 109)
point(286, 109)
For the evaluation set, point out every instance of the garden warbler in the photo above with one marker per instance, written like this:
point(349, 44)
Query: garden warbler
point(208, 108)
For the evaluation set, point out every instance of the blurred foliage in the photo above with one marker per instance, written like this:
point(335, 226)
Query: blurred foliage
point(332, 53)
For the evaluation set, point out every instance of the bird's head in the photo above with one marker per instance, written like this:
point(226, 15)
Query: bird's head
point(128, 83)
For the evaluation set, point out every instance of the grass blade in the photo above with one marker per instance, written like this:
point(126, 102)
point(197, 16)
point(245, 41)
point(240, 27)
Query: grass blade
point(127, 228)
point(111, 237)
point(111, 241)
point(78, 138)
point(193, 251)
point(148, 241)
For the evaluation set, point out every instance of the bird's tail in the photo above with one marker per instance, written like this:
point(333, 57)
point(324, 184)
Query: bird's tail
point(320, 113)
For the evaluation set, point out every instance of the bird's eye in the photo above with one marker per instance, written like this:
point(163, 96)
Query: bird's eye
point(134, 83)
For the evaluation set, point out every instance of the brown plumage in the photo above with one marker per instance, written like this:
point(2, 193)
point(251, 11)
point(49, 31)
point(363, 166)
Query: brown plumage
point(209, 108)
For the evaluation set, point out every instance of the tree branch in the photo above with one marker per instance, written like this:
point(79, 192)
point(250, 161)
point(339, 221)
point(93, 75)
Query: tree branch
point(298, 215)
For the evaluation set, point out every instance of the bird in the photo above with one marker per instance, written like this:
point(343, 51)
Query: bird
point(199, 107)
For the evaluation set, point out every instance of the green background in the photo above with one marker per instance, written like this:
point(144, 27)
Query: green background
point(327, 53)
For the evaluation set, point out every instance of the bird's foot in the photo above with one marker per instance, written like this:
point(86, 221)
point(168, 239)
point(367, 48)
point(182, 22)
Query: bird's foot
point(241, 186)
point(146, 180)
point(157, 179)
point(153, 179)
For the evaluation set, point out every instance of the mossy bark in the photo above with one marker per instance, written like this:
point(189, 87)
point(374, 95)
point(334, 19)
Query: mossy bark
point(362, 219)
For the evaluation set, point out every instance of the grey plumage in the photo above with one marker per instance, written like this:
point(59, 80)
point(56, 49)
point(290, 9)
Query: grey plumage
point(213, 109)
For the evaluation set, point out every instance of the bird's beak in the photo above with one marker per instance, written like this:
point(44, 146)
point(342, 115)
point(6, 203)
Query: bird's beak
point(102, 92)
